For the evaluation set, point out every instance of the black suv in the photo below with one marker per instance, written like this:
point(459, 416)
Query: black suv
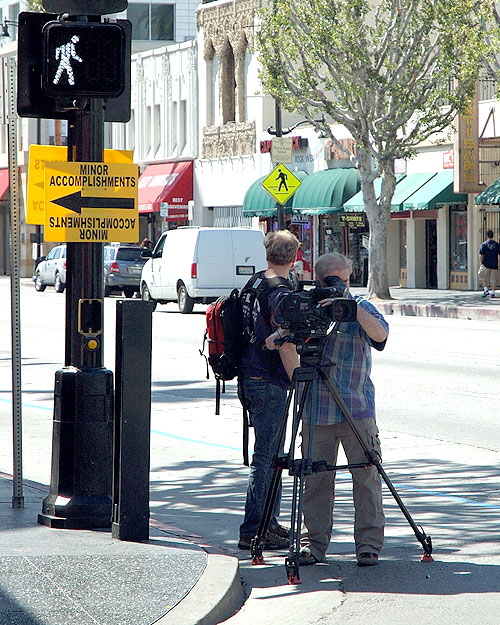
point(122, 269)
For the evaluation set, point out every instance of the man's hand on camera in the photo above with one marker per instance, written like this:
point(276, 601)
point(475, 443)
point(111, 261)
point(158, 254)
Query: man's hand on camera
point(276, 339)
point(325, 302)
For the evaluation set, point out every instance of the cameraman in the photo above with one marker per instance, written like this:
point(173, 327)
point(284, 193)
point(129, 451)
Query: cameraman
point(347, 361)
point(263, 380)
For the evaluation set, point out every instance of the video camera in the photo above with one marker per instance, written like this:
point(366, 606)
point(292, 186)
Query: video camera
point(302, 314)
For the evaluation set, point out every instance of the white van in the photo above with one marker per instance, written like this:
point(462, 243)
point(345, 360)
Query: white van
point(193, 264)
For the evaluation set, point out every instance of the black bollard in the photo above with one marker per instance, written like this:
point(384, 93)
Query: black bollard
point(132, 420)
point(80, 484)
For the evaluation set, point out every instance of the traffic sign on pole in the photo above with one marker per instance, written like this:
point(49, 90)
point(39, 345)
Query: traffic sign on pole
point(84, 59)
point(281, 183)
point(91, 202)
point(85, 7)
point(38, 156)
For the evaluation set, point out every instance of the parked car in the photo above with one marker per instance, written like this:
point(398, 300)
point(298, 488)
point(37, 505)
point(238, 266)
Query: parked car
point(51, 270)
point(122, 269)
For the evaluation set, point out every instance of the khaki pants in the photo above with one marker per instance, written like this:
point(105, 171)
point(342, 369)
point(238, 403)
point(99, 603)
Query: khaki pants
point(319, 491)
point(488, 277)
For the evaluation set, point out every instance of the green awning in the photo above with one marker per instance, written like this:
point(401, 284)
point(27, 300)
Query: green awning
point(325, 191)
point(356, 204)
point(259, 203)
point(436, 192)
point(491, 195)
point(407, 187)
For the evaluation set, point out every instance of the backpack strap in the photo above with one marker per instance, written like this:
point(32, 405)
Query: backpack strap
point(202, 352)
point(246, 425)
point(217, 395)
point(262, 290)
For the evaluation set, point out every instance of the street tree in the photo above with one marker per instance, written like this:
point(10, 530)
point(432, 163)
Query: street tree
point(392, 72)
point(36, 6)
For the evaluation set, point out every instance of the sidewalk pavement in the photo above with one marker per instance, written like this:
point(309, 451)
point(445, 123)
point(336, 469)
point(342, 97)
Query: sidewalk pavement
point(80, 577)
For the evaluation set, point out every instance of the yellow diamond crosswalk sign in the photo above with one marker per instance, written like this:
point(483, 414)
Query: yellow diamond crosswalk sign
point(281, 183)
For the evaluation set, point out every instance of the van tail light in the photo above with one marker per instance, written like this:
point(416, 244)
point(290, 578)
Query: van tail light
point(194, 273)
point(114, 268)
point(64, 264)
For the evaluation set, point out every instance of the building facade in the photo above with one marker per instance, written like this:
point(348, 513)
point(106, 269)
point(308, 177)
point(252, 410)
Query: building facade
point(202, 132)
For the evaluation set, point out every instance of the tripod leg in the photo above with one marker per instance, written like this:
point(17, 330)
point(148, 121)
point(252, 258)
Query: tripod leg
point(292, 560)
point(258, 542)
point(300, 469)
point(374, 459)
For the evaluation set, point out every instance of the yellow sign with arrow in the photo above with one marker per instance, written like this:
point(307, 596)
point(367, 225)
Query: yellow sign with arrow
point(38, 156)
point(91, 202)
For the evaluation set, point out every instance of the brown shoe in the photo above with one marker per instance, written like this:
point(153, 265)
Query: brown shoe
point(367, 559)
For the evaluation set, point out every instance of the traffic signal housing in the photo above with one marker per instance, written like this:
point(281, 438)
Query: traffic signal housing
point(33, 100)
point(83, 59)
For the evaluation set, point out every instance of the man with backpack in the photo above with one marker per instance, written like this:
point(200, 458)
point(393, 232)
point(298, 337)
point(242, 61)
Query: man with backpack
point(263, 381)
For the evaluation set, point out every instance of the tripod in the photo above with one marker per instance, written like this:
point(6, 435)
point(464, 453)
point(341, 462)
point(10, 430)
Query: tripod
point(306, 379)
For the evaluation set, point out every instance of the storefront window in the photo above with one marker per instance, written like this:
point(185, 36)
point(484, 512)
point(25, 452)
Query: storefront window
point(333, 235)
point(458, 239)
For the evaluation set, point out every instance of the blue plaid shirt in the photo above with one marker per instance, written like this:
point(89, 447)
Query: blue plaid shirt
point(347, 361)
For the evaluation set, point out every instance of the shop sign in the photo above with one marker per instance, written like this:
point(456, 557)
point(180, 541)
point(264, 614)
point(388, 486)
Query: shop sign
point(466, 178)
point(333, 151)
point(352, 220)
point(174, 212)
point(300, 219)
point(448, 159)
point(281, 151)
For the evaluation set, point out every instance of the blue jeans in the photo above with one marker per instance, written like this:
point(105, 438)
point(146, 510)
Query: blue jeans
point(266, 404)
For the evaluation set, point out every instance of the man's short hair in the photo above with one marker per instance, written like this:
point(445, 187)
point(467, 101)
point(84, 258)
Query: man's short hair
point(281, 247)
point(489, 234)
point(330, 262)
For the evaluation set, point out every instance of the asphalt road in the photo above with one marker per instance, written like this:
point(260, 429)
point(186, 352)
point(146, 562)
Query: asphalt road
point(436, 378)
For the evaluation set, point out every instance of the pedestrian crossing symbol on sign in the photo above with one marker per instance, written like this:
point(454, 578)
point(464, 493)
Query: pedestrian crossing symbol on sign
point(281, 183)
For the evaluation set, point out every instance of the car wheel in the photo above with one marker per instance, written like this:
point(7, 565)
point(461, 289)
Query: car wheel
point(185, 302)
point(58, 284)
point(39, 285)
point(146, 295)
point(128, 291)
point(107, 291)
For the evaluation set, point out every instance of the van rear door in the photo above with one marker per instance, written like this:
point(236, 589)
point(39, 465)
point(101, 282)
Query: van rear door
point(214, 259)
point(249, 255)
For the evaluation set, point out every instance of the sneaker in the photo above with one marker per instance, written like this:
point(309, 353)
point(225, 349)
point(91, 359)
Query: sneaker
point(273, 541)
point(306, 557)
point(485, 294)
point(281, 530)
point(367, 559)
point(492, 295)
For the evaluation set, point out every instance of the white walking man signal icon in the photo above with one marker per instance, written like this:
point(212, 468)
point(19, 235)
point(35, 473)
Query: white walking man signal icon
point(64, 54)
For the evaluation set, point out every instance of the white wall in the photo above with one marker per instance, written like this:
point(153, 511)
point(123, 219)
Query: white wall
point(164, 103)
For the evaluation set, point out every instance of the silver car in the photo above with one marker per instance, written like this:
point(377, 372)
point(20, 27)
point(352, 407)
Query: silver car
point(51, 270)
point(122, 269)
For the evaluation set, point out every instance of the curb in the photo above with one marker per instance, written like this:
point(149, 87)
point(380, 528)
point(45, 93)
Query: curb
point(438, 310)
point(216, 596)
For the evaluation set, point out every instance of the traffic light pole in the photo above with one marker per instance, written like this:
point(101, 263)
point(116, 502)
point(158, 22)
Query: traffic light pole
point(82, 464)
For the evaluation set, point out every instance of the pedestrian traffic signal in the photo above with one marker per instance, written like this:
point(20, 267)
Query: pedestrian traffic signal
point(83, 59)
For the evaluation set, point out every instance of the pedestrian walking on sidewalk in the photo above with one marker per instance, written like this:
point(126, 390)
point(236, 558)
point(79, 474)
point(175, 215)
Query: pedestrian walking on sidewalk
point(264, 378)
point(488, 268)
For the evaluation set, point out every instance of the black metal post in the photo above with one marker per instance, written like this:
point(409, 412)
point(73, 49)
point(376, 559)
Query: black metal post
point(81, 478)
point(132, 420)
point(280, 209)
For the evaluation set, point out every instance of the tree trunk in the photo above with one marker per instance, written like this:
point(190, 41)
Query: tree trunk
point(378, 213)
